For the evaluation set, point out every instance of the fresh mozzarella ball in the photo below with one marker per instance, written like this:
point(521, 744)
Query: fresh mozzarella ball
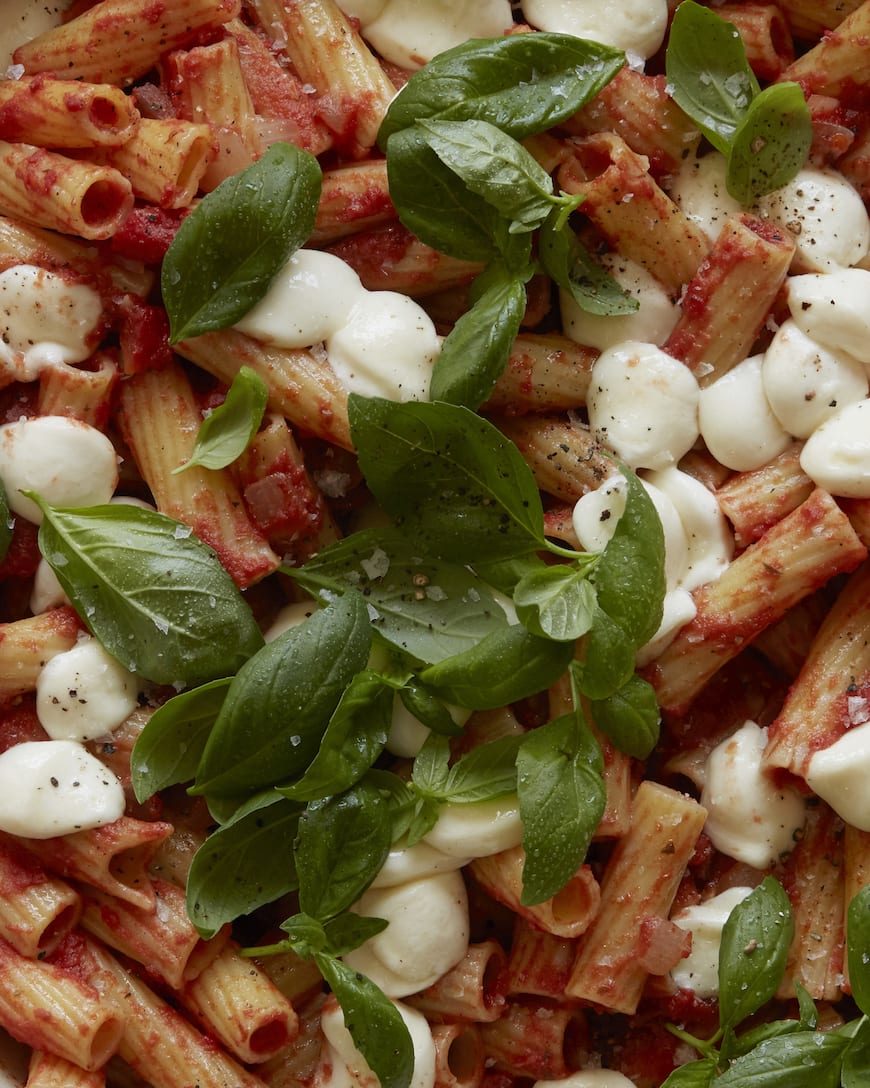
point(839, 774)
point(427, 933)
point(47, 592)
point(643, 404)
point(678, 609)
point(386, 348)
point(66, 462)
point(700, 191)
point(364, 10)
point(477, 830)
point(652, 323)
point(699, 971)
point(407, 733)
point(637, 26)
point(748, 817)
point(307, 301)
point(834, 309)
point(414, 862)
point(342, 1046)
point(736, 420)
point(44, 321)
point(826, 216)
point(805, 383)
point(836, 456)
point(55, 787)
point(410, 33)
point(84, 693)
point(709, 541)
point(589, 1078)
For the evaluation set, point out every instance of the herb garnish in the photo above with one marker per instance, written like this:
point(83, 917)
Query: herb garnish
point(226, 433)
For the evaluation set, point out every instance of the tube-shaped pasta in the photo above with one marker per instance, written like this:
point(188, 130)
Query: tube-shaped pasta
point(473, 990)
point(38, 909)
point(60, 113)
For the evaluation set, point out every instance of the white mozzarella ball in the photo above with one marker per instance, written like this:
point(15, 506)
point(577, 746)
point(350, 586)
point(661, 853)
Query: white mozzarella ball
point(84, 693)
point(643, 404)
point(307, 301)
point(414, 862)
point(651, 323)
point(700, 191)
point(47, 592)
point(836, 456)
point(637, 26)
point(342, 1046)
point(839, 775)
point(68, 463)
point(699, 971)
point(805, 383)
point(477, 830)
point(737, 422)
point(56, 787)
point(386, 348)
point(834, 309)
point(409, 34)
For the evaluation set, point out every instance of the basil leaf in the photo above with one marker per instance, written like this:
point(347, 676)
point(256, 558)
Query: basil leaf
point(476, 351)
point(708, 73)
point(771, 143)
point(155, 596)
point(342, 843)
point(504, 667)
point(243, 865)
point(755, 942)
point(354, 738)
point(306, 935)
point(421, 821)
point(168, 749)
point(735, 1046)
point(431, 769)
point(697, 1074)
point(348, 931)
point(562, 799)
point(460, 488)
point(523, 83)
point(486, 772)
point(802, 1059)
point(556, 602)
point(278, 706)
point(7, 523)
point(505, 574)
point(495, 167)
point(428, 608)
point(227, 432)
point(374, 1023)
point(428, 709)
point(856, 1061)
point(572, 267)
point(608, 658)
point(629, 576)
point(809, 1014)
point(858, 948)
point(228, 250)
point(629, 717)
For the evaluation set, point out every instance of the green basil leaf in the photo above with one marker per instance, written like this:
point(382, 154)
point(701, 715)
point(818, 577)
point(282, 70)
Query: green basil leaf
point(431, 769)
point(278, 706)
point(771, 143)
point(629, 717)
point(556, 602)
point(572, 267)
point(428, 709)
point(459, 487)
point(342, 843)
point(697, 1074)
point(737, 1045)
point(858, 948)
point(629, 576)
point(562, 799)
point(428, 608)
point(809, 1014)
point(608, 658)
point(374, 1023)
point(400, 796)
point(243, 865)
point(228, 250)
point(505, 574)
point(227, 432)
point(486, 772)
point(523, 83)
point(422, 819)
point(708, 73)
point(753, 951)
point(503, 668)
point(155, 596)
point(348, 931)
point(354, 738)
point(7, 523)
point(495, 167)
point(856, 1061)
point(476, 351)
point(306, 935)
point(802, 1059)
point(168, 749)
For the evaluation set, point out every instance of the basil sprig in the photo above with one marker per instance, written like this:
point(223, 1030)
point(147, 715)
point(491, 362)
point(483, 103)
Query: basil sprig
point(765, 135)
point(781, 1053)
point(226, 433)
point(228, 250)
point(464, 184)
point(155, 596)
